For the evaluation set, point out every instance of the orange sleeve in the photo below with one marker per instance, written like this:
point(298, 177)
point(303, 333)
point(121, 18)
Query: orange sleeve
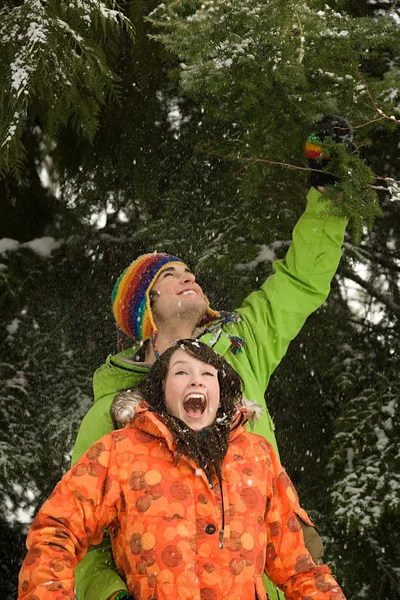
point(288, 562)
point(72, 518)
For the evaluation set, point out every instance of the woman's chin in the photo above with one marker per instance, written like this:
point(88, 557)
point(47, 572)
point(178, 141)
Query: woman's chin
point(196, 424)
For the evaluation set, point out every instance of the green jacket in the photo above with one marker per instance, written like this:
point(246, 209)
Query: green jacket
point(269, 319)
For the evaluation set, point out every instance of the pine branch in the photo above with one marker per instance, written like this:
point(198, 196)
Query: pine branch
point(353, 196)
point(362, 255)
point(53, 69)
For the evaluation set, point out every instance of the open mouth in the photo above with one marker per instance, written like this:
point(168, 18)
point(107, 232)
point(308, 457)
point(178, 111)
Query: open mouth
point(195, 405)
point(187, 292)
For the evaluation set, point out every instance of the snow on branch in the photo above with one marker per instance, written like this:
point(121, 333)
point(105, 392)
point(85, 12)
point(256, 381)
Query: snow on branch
point(366, 447)
point(51, 56)
point(43, 247)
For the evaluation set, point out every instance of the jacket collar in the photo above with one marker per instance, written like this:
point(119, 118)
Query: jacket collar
point(149, 422)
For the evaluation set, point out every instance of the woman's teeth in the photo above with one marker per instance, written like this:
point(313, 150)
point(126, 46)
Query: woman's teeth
point(195, 404)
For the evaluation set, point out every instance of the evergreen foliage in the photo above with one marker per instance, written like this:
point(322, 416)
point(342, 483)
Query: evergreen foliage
point(366, 492)
point(365, 450)
point(44, 392)
point(170, 164)
point(351, 195)
point(243, 59)
point(53, 64)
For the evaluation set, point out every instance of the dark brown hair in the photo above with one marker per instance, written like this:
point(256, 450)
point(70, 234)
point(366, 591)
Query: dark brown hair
point(209, 446)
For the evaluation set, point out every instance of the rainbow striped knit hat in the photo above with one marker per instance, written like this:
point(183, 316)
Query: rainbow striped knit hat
point(131, 296)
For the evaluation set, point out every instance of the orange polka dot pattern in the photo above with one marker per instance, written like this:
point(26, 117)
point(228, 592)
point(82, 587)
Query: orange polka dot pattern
point(164, 521)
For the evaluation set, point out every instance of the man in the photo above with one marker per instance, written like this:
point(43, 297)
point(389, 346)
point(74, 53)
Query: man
point(157, 301)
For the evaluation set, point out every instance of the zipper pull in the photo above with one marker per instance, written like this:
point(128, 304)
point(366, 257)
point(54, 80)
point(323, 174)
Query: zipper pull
point(221, 538)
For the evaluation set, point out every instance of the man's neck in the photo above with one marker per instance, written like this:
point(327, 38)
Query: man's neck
point(167, 338)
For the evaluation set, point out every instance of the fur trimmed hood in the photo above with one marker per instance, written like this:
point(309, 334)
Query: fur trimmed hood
point(123, 408)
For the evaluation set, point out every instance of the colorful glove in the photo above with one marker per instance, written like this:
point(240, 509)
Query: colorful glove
point(340, 131)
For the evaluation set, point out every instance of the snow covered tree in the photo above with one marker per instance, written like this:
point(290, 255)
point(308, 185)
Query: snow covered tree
point(154, 125)
point(365, 467)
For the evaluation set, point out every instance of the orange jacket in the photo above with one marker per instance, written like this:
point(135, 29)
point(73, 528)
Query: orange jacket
point(171, 539)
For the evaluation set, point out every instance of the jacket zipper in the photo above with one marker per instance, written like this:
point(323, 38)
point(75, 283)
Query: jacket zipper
point(222, 530)
point(221, 533)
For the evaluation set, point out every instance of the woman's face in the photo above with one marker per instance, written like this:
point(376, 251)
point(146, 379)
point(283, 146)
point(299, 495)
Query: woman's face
point(192, 390)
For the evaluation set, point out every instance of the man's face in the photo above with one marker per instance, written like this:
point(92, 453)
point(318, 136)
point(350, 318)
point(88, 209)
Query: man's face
point(192, 390)
point(175, 293)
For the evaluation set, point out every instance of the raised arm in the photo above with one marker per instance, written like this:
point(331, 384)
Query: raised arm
point(73, 518)
point(273, 315)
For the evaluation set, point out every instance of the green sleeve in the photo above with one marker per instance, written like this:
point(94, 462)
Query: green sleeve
point(272, 316)
point(96, 576)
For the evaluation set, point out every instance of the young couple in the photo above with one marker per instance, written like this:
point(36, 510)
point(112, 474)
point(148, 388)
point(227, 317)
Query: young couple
point(197, 506)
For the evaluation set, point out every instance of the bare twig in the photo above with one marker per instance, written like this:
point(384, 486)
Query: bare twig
point(378, 187)
point(374, 104)
point(388, 179)
point(365, 124)
point(245, 167)
point(252, 161)
point(386, 299)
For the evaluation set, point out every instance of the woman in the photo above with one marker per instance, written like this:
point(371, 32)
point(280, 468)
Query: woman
point(197, 507)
